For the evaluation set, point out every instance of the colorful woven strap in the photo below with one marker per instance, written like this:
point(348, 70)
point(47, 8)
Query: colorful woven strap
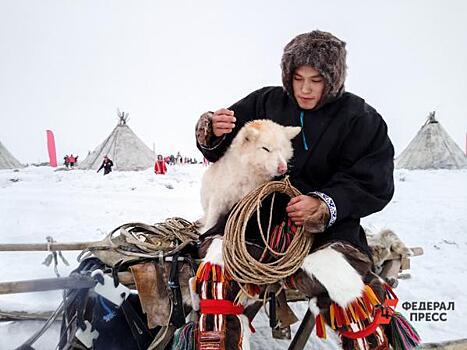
point(365, 309)
point(365, 332)
point(220, 307)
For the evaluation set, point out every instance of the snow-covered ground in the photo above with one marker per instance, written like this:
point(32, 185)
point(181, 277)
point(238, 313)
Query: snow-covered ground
point(428, 210)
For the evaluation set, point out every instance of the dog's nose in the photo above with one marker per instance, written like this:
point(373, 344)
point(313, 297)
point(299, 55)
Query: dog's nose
point(282, 168)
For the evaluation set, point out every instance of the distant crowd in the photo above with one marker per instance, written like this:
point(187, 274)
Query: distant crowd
point(160, 165)
point(178, 159)
point(70, 161)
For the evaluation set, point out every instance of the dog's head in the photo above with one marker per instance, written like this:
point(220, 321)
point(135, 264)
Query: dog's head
point(265, 146)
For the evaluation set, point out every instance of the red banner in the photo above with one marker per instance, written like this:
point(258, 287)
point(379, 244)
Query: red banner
point(51, 148)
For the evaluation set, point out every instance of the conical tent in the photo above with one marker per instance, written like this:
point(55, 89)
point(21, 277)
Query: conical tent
point(123, 147)
point(432, 148)
point(7, 161)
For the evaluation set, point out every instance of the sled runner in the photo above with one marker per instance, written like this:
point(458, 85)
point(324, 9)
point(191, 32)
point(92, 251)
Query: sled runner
point(183, 300)
point(396, 265)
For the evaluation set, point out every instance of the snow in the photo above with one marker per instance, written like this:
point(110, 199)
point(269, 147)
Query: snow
point(428, 210)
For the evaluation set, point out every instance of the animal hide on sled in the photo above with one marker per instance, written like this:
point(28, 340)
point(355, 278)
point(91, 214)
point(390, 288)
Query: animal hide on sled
point(383, 245)
point(151, 281)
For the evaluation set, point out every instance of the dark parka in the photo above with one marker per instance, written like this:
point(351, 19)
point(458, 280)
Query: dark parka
point(349, 156)
point(107, 164)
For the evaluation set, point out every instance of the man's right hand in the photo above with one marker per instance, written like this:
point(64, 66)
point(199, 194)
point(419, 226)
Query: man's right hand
point(223, 122)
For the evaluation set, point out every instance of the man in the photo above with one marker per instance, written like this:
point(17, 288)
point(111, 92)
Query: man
point(343, 158)
point(107, 164)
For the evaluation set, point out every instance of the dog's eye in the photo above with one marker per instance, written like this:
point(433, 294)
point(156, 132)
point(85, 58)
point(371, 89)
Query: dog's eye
point(266, 149)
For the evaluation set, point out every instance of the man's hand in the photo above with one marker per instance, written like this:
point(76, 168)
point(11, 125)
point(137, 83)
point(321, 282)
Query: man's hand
point(223, 122)
point(310, 212)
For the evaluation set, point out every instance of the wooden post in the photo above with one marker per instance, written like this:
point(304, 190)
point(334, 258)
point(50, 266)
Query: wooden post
point(391, 268)
point(303, 333)
point(16, 247)
point(40, 285)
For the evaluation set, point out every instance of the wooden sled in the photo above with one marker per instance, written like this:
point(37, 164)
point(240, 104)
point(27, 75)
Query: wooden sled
point(393, 269)
point(396, 267)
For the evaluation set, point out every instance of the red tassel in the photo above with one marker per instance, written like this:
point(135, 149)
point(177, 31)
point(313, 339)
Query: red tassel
point(339, 320)
point(360, 311)
point(207, 270)
point(367, 303)
point(252, 329)
point(320, 331)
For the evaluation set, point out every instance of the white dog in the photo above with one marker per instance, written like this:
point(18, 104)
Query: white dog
point(258, 153)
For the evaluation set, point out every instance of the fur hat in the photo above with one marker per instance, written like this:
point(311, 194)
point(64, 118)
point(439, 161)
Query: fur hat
point(322, 51)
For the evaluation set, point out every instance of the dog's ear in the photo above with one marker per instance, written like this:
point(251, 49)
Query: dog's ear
point(292, 131)
point(251, 133)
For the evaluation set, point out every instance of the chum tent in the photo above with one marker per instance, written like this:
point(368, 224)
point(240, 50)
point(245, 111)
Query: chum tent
point(7, 161)
point(432, 148)
point(123, 147)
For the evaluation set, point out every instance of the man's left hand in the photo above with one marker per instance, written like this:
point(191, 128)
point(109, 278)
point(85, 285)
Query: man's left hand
point(310, 212)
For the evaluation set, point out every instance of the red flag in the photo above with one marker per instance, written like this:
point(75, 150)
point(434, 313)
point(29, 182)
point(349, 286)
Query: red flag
point(51, 148)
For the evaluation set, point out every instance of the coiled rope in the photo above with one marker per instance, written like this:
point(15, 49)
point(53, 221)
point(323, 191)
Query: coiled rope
point(140, 240)
point(239, 264)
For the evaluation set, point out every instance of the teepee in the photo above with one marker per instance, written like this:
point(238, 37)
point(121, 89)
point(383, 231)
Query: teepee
point(432, 148)
point(7, 161)
point(123, 147)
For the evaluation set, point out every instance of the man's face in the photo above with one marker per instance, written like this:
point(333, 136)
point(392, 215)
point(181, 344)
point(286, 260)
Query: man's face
point(308, 86)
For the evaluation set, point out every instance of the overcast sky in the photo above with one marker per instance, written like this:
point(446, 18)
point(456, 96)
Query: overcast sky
point(67, 65)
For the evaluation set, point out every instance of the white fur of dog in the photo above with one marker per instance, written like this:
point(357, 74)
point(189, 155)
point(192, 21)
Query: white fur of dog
point(258, 153)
